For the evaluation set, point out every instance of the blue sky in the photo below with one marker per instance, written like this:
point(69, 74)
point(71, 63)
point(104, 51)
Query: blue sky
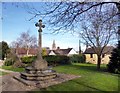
point(15, 21)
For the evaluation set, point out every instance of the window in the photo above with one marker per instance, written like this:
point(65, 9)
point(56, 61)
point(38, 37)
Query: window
point(91, 55)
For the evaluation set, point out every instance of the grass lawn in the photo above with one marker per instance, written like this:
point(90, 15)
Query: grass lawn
point(13, 69)
point(2, 73)
point(90, 80)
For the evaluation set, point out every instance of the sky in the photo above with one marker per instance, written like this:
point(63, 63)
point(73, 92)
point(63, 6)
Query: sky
point(15, 21)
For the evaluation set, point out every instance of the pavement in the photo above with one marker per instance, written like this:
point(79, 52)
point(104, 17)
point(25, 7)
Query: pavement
point(11, 84)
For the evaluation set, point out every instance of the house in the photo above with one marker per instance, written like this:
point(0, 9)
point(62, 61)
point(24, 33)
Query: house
point(54, 51)
point(91, 56)
point(33, 51)
point(23, 52)
point(58, 51)
point(72, 52)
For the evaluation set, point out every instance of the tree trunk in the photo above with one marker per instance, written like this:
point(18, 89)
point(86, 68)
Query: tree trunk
point(27, 52)
point(98, 61)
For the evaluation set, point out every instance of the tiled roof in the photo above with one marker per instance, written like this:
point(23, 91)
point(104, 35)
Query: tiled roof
point(62, 51)
point(33, 51)
point(23, 51)
point(106, 50)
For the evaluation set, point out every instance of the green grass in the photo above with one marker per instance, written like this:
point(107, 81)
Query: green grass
point(2, 73)
point(90, 80)
point(13, 69)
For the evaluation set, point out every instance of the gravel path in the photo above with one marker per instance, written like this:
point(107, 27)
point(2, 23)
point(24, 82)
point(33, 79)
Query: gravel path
point(8, 71)
point(8, 83)
point(11, 84)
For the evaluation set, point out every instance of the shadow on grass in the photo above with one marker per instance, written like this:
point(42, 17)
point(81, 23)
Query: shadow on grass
point(88, 67)
point(93, 88)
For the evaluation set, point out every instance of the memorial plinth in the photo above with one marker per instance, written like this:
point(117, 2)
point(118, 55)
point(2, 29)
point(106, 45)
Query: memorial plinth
point(41, 73)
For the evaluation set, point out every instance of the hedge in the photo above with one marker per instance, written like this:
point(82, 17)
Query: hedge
point(28, 59)
point(57, 59)
point(78, 58)
point(52, 59)
point(9, 62)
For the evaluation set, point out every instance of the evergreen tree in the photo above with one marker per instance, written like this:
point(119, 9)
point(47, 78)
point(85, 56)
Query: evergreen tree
point(114, 64)
point(5, 49)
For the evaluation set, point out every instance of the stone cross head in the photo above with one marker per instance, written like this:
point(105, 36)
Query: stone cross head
point(40, 25)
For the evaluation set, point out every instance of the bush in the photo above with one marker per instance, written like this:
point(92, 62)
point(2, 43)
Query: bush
point(9, 62)
point(77, 58)
point(18, 64)
point(57, 60)
point(114, 64)
point(28, 59)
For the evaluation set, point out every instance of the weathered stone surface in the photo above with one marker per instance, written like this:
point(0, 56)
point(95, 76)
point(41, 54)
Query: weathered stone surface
point(40, 76)
point(40, 63)
point(32, 70)
point(11, 84)
point(37, 74)
point(47, 82)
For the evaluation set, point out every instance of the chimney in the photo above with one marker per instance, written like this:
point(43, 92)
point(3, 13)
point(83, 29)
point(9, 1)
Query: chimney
point(58, 48)
point(86, 45)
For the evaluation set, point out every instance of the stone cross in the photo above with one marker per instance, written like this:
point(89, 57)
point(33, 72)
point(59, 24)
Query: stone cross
point(40, 63)
point(40, 25)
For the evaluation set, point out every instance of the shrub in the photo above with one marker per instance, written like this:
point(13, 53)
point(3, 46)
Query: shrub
point(57, 60)
point(18, 64)
point(28, 59)
point(114, 64)
point(77, 58)
point(44, 52)
point(9, 62)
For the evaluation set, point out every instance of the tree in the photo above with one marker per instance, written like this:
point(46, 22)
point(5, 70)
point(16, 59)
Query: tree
point(68, 16)
point(25, 41)
point(97, 20)
point(65, 15)
point(5, 49)
point(13, 59)
point(96, 32)
point(44, 52)
point(0, 50)
point(114, 64)
point(0, 54)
